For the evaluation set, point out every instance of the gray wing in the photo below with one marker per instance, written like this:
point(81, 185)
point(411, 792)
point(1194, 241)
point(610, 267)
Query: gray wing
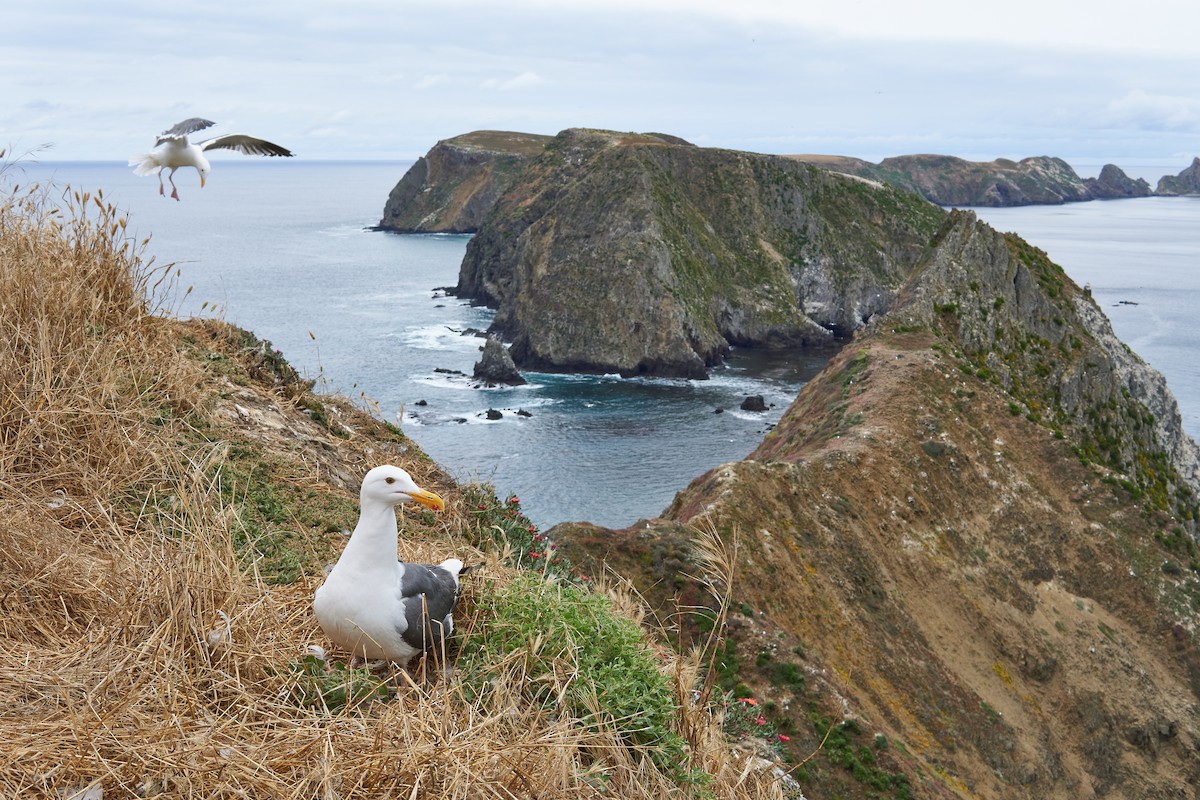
point(184, 128)
point(428, 595)
point(246, 145)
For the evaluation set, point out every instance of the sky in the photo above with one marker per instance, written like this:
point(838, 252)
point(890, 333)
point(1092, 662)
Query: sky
point(386, 79)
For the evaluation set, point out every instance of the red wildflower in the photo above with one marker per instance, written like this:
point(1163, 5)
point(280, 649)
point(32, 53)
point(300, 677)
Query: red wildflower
point(783, 737)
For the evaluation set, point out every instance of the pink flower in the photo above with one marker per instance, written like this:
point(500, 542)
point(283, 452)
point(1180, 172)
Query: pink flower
point(535, 555)
point(783, 737)
point(750, 701)
point(760, 721)
point(514, 499)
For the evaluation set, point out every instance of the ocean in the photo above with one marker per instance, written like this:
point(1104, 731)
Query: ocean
point(282, 248)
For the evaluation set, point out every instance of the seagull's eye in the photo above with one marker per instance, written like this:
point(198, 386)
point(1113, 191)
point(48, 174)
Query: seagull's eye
point(390, 480)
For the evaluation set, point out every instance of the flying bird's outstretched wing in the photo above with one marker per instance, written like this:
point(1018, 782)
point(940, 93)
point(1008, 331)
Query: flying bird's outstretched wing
point(246, 145)
point(184, 128)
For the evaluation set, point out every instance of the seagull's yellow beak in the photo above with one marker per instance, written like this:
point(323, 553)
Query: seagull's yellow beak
point(201, 180)
point(428, 499)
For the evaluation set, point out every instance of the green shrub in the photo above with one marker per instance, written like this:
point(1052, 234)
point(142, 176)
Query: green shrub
point(574, 649)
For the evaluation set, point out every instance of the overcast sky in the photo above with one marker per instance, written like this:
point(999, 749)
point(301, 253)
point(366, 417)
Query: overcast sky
point(1095, 82)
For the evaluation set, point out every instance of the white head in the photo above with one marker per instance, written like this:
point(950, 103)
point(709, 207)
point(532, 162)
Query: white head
point(203, 167)
point(392, 486)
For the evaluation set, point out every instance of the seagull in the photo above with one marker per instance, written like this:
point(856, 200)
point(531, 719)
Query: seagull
point(172, 150)
point(374, 605)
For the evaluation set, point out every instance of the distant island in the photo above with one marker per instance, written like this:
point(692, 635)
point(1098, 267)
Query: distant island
point(1040, 180)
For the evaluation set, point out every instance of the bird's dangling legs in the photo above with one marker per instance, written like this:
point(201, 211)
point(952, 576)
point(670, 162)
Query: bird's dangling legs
point(174, 188)
point(160, 186)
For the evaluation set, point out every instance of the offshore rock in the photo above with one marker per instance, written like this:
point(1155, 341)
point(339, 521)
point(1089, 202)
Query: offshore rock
point(754, 402)
point(496, 365)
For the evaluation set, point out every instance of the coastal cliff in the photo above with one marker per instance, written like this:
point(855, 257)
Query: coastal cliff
point(974, 533)
point(452, 188)
point(642, 255)
point(951, 181)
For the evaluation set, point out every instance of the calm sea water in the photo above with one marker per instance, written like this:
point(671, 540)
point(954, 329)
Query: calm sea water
point(281, 248)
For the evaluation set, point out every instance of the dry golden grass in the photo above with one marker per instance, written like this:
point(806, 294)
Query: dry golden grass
point(139, 656)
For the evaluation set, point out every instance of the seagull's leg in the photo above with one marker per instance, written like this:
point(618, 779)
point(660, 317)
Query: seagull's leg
point(161, 191)
point(174, 188)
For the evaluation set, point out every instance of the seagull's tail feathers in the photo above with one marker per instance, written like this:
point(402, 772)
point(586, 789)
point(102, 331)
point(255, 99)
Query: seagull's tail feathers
point(144, 164)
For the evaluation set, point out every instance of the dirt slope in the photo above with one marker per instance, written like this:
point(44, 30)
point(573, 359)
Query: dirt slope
point(996, 612)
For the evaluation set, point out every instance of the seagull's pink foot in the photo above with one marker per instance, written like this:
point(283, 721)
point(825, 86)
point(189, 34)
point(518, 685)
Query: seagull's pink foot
point(175, 193)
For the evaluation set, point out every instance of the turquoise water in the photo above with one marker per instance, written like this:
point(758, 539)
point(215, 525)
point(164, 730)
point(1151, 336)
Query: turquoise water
point(280, 248)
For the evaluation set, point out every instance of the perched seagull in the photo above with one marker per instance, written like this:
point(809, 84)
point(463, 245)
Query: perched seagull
point(374, 605)
point(172, 150)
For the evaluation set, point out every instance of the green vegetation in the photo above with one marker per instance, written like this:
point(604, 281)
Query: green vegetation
point(574, 650)
point(331, 687)
point(845, 747)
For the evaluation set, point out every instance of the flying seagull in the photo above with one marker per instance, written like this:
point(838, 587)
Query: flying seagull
point(374, 605)
point(172, 150)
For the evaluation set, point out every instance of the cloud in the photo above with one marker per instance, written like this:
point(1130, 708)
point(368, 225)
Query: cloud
point(430, 81)
point(1156, 112)
point(522, 81)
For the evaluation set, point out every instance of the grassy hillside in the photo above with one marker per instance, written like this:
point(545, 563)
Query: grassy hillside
point(171, 491)
point(966, 556)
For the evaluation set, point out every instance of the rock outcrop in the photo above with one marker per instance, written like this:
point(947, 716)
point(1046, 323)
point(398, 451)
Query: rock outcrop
point(641, 255)
point(496, 366)
point(1114, 184)
point(453, 187)
point(1185, 183)
point(973, 536)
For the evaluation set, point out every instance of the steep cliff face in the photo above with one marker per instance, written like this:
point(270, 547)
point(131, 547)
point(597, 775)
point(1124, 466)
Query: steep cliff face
point(637, 254)
point(1185, 183)
point(974, 534)
point(454, 186)
point(951, 181)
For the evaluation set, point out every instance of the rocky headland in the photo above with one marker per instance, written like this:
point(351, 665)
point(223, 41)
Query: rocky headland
point(641, 254)
point(453, 187)
point(976, 529)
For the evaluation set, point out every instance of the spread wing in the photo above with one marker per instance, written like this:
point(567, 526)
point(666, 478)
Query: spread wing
point(181, 129)
point(246, 145)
